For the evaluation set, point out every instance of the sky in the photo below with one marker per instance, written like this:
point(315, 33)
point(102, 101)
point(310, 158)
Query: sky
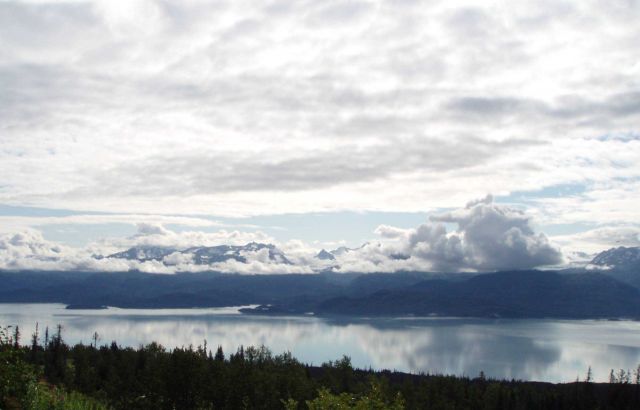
point(444, 135)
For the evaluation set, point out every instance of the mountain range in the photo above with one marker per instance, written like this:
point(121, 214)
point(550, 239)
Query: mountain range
point(608, 288)
point(621, 259)
point(502, 294)
point(204, 255)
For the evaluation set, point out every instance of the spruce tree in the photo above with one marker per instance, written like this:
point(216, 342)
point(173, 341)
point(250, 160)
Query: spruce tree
point(219, 355)
point(16, 337)
point(589, 378)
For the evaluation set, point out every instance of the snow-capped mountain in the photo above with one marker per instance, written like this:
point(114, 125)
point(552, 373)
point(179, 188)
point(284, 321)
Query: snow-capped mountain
point(331, 255)
point(206, 255)
point(324, 255)
point(144, 253)
point(221, 253)
point(618, 258)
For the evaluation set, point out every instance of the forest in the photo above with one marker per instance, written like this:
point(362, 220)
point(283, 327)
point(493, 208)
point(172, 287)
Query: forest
point(510, 294)
point(44, 372)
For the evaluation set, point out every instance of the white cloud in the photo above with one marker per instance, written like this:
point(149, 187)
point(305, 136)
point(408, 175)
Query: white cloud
point(29, 250)
point(178, 258)
point(599, 239)
point(488, 237)
point(238, 107)
point(158, 235)
point(18, 223)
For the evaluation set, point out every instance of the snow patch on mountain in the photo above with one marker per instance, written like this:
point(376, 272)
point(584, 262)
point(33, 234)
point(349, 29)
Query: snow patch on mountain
point(617, 258)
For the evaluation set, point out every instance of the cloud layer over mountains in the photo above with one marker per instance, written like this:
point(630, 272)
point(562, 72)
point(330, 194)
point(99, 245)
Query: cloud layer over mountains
point(185, 116)
point(483, 236)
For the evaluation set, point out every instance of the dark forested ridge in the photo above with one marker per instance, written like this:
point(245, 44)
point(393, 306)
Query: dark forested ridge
point(516, 294)
point(506, 294)
point(46, 373)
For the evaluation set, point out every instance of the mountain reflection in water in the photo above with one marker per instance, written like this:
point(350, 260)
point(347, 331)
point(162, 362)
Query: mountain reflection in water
point(547, 350)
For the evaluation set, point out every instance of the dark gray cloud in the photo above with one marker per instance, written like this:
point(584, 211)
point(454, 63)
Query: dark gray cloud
point(320, 169)
point(496, 237)
point(566, 108)
point(487, 237)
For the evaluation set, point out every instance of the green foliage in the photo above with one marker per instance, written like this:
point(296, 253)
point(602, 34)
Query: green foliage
point(42, 397)
point(374, 400)
point(15, 374)
point(21, 389)
point(289, 404)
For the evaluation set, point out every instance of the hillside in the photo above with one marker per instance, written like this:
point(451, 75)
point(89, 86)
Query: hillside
point(502, 294)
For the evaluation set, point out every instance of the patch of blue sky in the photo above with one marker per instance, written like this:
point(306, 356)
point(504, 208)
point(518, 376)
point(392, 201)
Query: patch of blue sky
point(565, 229)
point(624, 137)
point(350, 228)
point(79, 235)
point(345, 227)
point(527, 200)
point(551, 191)
point(13, 210)
point(353, 228)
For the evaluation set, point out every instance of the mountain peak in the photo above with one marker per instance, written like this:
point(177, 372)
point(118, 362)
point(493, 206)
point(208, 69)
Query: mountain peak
point(204, 255)
point(618, 258)
point(324, 255)
point(143, 253)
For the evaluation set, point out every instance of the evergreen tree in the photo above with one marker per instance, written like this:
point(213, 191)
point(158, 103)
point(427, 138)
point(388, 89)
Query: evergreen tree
point(59, 335)
point(623, 376)
point(219, 357)
point(34, 345)
point(16, 337)
point(589, 377)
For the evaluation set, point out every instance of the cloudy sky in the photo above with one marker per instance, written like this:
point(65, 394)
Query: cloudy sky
point(319, 124)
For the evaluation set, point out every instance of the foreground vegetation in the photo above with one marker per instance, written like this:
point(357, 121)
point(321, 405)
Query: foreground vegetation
point(49, 374)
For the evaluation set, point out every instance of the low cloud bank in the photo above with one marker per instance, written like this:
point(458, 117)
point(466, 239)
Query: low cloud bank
point(488, 237)
point(482, 236)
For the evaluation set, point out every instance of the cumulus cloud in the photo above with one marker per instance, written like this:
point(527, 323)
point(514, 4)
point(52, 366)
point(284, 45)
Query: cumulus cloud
point(27, 245)
point(482, 236)
point(498, 237)
point(156, 235)
point(178, 258)
point(29, 250)
point(24, 247)
point(488, 237)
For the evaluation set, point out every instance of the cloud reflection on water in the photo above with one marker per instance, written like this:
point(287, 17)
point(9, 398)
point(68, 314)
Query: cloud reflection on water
point(548, 350)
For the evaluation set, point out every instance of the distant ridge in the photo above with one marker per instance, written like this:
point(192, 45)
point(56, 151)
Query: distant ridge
point(618, 258)
point(536, 294)
point(342, 250)
point(204, 255)
point(511, 294)
point(324, 255)
point(622, 263)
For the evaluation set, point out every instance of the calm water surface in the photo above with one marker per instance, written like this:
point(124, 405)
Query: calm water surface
point(548, 350)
